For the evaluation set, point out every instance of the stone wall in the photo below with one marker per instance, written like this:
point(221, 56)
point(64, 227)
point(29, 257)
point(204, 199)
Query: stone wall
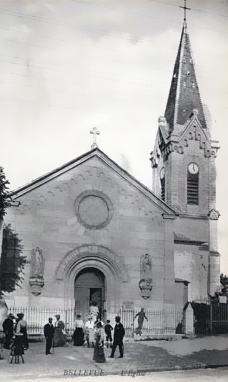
point(114, 215)
point(192, 265)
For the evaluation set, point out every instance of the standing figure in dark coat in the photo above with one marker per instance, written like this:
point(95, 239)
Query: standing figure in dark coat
point(49, 331)
point(8, 325)
point(119, 333)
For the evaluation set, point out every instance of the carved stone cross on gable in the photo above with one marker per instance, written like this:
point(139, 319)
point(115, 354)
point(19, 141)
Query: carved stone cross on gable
point(95, 132)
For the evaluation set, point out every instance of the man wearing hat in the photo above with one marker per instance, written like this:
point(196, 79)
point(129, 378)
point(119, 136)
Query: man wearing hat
point(8, 330)
point(119, 333)
point(49, 334)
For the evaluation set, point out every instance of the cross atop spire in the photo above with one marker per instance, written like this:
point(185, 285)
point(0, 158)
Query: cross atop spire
point(95, 132)
point(185, 8)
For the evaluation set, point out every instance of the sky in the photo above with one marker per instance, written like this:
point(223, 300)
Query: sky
point(68, 66)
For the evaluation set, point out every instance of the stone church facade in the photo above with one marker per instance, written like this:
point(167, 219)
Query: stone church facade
point(92, 224)
point(92, 232)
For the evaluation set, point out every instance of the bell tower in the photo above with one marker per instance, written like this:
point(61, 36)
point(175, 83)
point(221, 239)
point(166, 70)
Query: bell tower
point(183, 161)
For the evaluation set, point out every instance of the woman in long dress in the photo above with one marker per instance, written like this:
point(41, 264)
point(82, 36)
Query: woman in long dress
point(20, 340)
point(59, 334)
point(78, 335)
point(21, 330)
point(99, 336)
point(89, 332)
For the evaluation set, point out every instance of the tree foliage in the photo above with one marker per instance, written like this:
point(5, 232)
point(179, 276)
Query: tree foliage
point(224, 284)
point(4, 193)
point(12, 260)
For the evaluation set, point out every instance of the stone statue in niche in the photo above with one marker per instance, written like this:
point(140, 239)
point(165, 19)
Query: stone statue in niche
point(37, 263)
point(36, 280)
point(145, 283)
point(145, 267)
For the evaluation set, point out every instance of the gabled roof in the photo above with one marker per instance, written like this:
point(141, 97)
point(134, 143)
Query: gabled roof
point(193, 121)
point(167, 209)
point(184, 95)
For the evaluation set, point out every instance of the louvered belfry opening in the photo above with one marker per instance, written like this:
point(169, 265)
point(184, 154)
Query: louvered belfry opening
point(163, 189)
point(192, 188)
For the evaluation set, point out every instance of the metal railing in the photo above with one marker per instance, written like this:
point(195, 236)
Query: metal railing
point(210, 318)
point(37, 317)
point(159, 322)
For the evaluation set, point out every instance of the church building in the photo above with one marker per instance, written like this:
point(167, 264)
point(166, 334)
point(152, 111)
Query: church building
point(93, 233)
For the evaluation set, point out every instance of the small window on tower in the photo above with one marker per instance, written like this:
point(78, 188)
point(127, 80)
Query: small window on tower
point(193, 184)
point(162, 178)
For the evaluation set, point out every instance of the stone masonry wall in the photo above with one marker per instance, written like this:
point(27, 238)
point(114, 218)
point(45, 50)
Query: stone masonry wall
point(191, 265)
point(47, 219)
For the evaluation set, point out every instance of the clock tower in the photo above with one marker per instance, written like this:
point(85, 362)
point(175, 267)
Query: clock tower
point(184, 175)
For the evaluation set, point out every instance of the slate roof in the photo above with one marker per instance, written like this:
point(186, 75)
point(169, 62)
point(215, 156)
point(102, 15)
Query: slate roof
point(184, 95)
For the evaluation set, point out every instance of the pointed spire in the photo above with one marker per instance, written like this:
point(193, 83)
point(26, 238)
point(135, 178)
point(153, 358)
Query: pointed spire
point(184, 94)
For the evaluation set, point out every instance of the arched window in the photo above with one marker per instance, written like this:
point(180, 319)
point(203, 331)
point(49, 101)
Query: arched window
point(193, 184)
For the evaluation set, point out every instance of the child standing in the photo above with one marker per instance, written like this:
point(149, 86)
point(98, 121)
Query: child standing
point(108, 332)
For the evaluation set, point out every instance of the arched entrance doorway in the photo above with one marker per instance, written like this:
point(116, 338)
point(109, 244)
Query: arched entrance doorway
point(89, 287)
point(100, 259)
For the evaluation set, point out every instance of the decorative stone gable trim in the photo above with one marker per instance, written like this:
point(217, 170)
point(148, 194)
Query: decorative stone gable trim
point(95, 253)
point(177, 143)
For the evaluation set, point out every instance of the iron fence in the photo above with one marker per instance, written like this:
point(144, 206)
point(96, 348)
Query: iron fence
point(37, 317)
point(210, 317)
point(158, 322)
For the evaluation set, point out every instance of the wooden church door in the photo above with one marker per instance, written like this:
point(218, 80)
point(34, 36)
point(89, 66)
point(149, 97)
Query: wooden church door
point(89, 286)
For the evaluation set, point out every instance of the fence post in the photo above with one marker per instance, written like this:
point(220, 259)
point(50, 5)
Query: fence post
point(133, 323)
point(189, 320)
point(211, 317)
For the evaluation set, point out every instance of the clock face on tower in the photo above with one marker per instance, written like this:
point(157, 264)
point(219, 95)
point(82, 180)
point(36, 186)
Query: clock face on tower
point(193, 168)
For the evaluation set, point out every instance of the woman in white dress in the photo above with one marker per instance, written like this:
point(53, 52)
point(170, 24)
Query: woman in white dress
point(89, 330)
point(78, 335)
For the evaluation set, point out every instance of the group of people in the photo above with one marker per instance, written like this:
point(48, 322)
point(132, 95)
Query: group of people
point(86, 332)
point(104, 332)
point(15, 331)
point(98, 335)
point(95, 333)
point(55, 335)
